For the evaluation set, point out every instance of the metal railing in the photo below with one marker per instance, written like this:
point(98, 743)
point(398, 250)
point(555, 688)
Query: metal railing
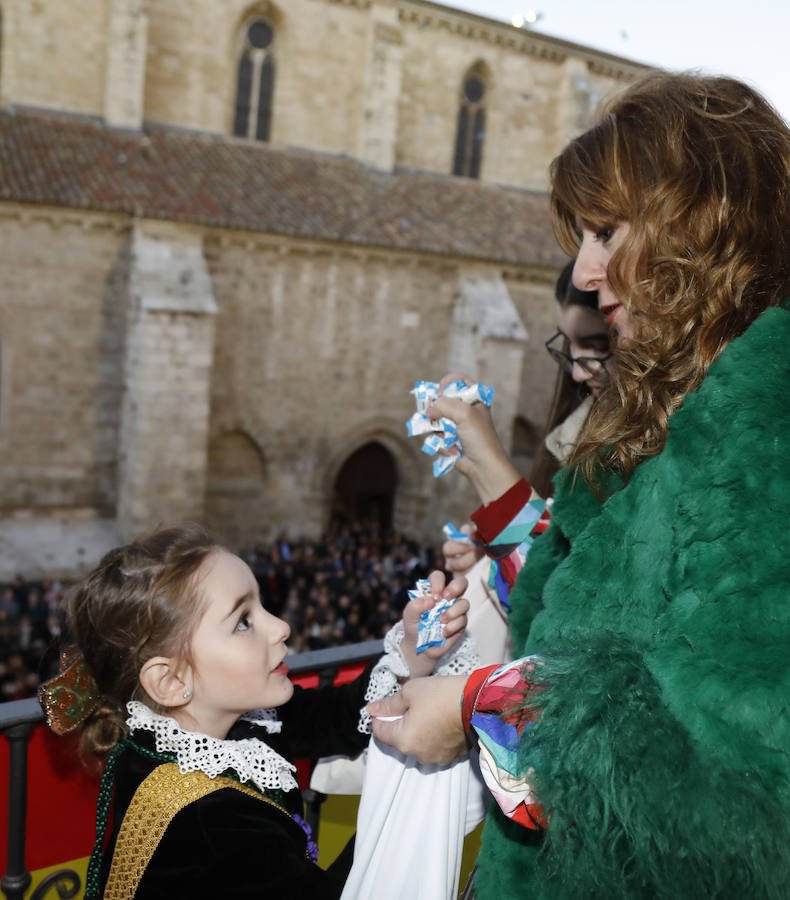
point(19, 718)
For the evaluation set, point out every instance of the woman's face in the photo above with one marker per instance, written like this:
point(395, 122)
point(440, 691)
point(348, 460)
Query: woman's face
point(588, 337)
point(599, 243)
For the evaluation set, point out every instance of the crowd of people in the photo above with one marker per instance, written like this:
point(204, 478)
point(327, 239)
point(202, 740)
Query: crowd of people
point(347, 586)
point(350, 585)
point(30, 623)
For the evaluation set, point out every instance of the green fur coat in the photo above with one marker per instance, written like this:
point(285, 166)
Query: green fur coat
point(663, 744)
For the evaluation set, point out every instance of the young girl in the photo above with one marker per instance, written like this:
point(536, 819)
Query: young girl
point(175, 648)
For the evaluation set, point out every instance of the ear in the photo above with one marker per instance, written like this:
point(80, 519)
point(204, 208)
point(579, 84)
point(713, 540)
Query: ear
point(164, 681)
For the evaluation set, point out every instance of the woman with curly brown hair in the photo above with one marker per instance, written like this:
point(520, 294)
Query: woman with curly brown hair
point(641, 746)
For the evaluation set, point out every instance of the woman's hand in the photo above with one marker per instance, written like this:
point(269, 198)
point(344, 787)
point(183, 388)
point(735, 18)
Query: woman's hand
point(452, 619)
point(485, 461)
point(430, 727)
point(461, 556)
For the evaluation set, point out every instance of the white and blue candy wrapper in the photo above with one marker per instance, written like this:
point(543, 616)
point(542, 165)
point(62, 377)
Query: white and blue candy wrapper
point(429, 629)
point(453, 534)
point(426, 393)
point(442, 433)
point(421, 588)
point(443, 464)
point(433, 444)
point(419, 423)
point(469, 393)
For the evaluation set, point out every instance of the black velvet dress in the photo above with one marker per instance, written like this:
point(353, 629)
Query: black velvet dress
point(230, 845)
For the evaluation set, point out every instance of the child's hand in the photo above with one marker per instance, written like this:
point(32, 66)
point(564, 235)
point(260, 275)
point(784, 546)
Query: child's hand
point(453, 620)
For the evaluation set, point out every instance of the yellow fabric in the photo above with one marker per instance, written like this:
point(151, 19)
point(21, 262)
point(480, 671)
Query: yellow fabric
point(165, 792)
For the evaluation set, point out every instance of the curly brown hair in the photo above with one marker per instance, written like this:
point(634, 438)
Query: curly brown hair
point(140, 601)
point(699, 169)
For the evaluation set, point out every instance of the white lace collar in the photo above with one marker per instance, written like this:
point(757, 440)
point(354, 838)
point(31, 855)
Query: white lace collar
point(251, 759)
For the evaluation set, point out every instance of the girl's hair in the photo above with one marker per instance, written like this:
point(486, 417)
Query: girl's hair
point(141, 601)
point(699, 169)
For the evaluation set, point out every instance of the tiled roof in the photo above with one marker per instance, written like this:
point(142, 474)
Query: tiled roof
point(214, 180)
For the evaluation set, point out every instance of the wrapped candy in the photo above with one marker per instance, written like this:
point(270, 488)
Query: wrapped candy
point(430, 632)
point(442, 433)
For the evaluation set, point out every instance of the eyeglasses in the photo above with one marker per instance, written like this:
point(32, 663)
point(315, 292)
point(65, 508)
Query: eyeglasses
point(593, 365)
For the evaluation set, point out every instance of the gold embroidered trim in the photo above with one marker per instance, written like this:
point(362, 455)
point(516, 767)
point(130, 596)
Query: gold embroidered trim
point(161, 795)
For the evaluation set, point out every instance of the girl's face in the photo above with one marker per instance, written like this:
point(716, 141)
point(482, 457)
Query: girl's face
point(237, 649)
point(588, 337)
point(598, 244)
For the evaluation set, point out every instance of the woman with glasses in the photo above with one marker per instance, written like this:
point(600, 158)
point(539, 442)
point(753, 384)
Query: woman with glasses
point(581, 349)
point(580, 346)
point(640, 747)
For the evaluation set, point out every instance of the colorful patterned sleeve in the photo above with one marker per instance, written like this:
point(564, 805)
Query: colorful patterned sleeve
point(493, 708)
point(506, 529)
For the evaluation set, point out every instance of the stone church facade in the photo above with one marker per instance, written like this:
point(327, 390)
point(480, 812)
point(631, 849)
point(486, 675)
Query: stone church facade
point(233, 235)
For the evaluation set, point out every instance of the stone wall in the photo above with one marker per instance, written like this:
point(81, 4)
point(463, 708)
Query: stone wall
point(167, 377)
point(534, 300)
point(62, 313)
point(63, 307)
point(316, 351)
point(154, 371)
point(320, 61)
point(379, 81)
point(54, 56)
point(531, 110)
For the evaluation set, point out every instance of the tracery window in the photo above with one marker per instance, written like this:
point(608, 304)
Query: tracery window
point(255, 82)
point(470, 132)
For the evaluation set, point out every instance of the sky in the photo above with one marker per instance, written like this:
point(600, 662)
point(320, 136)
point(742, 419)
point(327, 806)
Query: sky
point(747, 39)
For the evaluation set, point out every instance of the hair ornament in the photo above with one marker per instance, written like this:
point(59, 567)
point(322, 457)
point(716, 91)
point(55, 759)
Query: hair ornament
point(70, 697)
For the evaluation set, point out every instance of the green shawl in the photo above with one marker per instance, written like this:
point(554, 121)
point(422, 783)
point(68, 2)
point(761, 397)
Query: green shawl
point(663, 744)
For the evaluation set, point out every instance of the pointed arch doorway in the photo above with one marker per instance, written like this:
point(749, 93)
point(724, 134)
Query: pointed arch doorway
point(365, 486)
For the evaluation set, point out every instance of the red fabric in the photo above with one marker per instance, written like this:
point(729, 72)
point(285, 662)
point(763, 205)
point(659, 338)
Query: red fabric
point(347, 674)
point(491, 519)
point(61, 801)
point(305, 680)
point(474, 684)
point(495, 698)
point(508, 568)
point(543, 522)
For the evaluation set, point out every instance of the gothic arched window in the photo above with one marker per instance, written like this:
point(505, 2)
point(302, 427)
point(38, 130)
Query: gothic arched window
point(255, 82)
point(471, 129)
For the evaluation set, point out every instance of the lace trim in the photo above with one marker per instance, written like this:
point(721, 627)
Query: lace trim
point(251, 759)
point(461, 659)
